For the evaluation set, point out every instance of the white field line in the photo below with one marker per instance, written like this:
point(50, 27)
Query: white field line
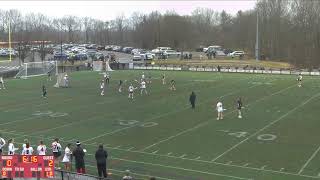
point(208, 121)
point(309, 160)
point(183, 169)
point(138, 174)
point(261, 169)
point(163, 115)
point(267, 126)
point(21, 120)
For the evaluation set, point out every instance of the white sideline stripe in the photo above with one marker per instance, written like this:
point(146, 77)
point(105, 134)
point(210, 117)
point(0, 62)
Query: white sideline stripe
point(184, 169)
point(203, 161)
point(198, 158)
point(130, 148)
point(26, 119)
point(246, 164)
point(263, 167)
point(169, 153)
point(154, 152)
point(206, 122)
point(230, 162)
point(182, 156)
point(267, 126)
point(309, 160)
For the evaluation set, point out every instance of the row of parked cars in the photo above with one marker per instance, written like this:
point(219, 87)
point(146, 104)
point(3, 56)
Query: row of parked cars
point(222, 52)
point(144, 54)
point(6, 52)
point(77, 52)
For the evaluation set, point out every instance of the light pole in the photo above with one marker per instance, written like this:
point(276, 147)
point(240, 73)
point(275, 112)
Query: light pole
point(257, 38)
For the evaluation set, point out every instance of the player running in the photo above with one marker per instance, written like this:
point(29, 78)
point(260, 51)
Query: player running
point(41, 149)
point(107, 77)
point(143, 77)
point(299, 80)
point(239, 107)
point(219, 110)
point(2, 83)
point(163, 79)
point(143, 87)
point(120, 86)
point(44, 91)
point(131, 90)
point(66, 80)
point(172, 85)
point(102, 88)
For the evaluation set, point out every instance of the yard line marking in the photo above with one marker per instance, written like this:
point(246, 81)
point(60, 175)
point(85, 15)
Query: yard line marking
point(263, 167)
point(204, 161)
point(197, 158)
point(228, 163)
point(246, 164)
point(268, 125)
point(117, 147)
point(169, 153)
point(319, 174)
point(281, 169)
point(165, 114)
point(154, 152)
point(206, 122)
point(309, 160)
point(182, 156)
point(183, 169)
point(26, 119)
point(130, 148)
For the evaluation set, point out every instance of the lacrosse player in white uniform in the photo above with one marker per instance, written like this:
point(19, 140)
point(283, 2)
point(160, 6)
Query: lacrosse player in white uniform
point(131, 90)
point(219, 110)
point(102, 88)
point(299, 80)
point(143, 87)
point(2, 83)
point(41, 149)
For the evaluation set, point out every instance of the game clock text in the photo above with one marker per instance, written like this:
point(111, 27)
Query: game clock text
point(26, 166)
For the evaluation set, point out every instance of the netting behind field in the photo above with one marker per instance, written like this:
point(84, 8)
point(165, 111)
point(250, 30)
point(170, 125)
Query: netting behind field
point(37, 69)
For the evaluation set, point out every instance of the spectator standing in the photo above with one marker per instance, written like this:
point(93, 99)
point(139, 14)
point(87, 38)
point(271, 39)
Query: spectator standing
point(79, 153)
point(41, 149)
point(56, 150)
point(11, 148)
point(2, 143)
point(67, 158)
point(101, 158)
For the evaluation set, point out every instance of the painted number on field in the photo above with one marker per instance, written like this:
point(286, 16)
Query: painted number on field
point(135, 122)
point(266, 137)
point(242, 134)
point(49, 113)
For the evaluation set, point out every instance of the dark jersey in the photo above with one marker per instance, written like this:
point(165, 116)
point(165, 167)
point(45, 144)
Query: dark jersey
point(239, 104)
point(120, 82)
point(173, 82)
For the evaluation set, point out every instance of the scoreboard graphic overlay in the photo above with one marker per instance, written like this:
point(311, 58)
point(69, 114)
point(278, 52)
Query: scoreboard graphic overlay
point(26, 166)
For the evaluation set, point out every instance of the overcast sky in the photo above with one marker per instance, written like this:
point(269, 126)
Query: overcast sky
point(106, 10)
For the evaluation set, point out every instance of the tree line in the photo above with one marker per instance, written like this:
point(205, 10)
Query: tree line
point(288, 30)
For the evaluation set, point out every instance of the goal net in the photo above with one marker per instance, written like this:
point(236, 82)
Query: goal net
point(32, 69)
point(61, 81)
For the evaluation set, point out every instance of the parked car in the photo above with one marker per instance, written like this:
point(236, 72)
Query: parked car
point(81, 56)
point(171, 53)
point(127, 49)
point(3, 52)
point(60, 56)
point(91, 53)
point(117, 48)
point(98, 56)
point(100, 48)
point(109, 47)
point(237, 54)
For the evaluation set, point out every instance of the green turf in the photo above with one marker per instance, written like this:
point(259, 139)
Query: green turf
point(160, 135)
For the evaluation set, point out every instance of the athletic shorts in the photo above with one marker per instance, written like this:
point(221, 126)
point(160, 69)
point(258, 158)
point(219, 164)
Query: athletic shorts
point(131, 92)
point(56, 154)
point(220, 110)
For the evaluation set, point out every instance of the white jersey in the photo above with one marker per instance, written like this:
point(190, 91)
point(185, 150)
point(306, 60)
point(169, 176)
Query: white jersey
point(219, 107)
point(67, 155)
point(102, 86)
point(27, 151)
point(127, 178)
point(131, 88)
point(55, 147)
point(1, 80)
point(2, 143)
point(41, 149)
point(143, 76)
point(143, 85)
point(11, 149)
point(300, 78)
